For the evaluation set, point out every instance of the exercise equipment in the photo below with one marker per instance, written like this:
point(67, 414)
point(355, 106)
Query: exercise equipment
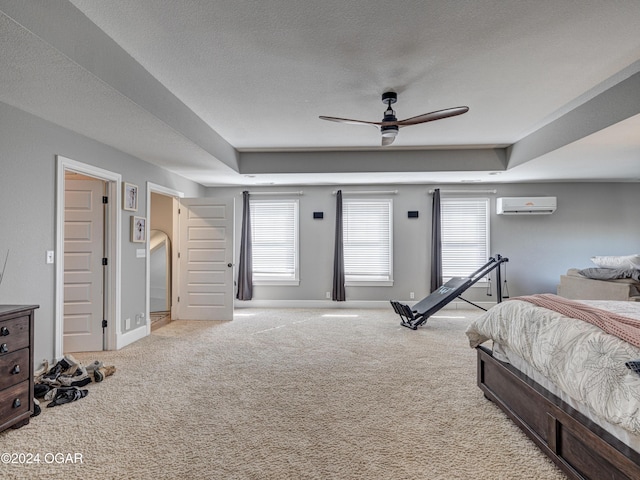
point(413, 317)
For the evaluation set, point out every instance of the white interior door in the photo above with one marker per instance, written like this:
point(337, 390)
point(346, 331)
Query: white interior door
point(83, 269)
point(205, 259)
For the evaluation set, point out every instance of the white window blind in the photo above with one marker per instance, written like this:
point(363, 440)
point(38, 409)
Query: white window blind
point(367, 240)
point(274, 239)
point(465, 235)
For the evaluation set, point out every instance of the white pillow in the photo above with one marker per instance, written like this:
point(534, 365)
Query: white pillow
point(620, 261)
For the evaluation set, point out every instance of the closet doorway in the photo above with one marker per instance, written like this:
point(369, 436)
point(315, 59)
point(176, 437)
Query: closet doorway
point(84, 270)
point(87, 258)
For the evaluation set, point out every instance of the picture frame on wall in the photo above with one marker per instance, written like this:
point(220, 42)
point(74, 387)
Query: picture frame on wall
point(138, 229)
point(130, 197)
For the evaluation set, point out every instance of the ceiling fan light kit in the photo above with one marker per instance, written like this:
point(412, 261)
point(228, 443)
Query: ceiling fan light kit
point(390, 125)
point(389, 131)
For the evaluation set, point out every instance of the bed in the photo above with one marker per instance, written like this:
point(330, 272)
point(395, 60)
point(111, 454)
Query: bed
point(565, 381)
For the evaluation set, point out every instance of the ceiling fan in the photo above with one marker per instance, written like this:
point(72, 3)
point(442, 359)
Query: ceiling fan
point(390, 125)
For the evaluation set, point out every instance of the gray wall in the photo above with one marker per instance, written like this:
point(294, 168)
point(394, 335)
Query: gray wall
point(28, 149)
point(591, 219)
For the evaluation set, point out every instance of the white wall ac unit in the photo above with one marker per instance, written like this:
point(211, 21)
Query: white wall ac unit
point(526, 205)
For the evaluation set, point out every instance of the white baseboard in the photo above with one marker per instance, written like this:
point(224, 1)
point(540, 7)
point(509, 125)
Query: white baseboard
point(309, 304)
point(127, 338)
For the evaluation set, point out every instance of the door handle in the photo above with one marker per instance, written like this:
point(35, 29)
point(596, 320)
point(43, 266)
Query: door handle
point(229, 265)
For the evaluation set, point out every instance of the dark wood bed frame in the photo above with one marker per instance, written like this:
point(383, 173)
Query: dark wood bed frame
point(581, 448)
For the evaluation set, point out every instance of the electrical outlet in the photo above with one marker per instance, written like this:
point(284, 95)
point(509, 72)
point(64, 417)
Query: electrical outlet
point(412, 295)
point(328, 294)
point(127, 324)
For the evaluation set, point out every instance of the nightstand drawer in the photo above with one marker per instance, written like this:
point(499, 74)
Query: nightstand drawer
point(14, 368)
point(14, 400)
point(16, 365)
point(14, 334)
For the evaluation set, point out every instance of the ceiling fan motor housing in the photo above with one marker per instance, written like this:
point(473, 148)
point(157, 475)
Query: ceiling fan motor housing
point(389, 97)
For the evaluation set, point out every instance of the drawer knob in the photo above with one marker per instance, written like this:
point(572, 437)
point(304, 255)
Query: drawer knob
point(4, 331)
point(4, 348)
point(15, 370)
point(17, 403)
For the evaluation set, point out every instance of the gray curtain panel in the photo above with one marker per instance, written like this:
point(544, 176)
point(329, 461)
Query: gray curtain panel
point(338, 293)
point(245, 270)
point(436, 242)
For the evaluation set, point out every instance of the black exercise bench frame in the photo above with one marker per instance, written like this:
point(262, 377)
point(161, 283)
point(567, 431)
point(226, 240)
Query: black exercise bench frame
point(413, 317)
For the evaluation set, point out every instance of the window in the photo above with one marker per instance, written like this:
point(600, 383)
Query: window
point(465, 235)
point(274, 239)
point(367, 240)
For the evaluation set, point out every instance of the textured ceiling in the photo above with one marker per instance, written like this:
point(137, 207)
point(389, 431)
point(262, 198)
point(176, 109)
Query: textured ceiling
point(205, 87)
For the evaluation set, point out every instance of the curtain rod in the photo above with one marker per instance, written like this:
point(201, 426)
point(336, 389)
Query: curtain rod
point(366, 192)
point(299, 192)
point(464, 191)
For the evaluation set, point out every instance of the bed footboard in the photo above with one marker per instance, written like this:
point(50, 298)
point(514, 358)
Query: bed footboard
point(581, 448)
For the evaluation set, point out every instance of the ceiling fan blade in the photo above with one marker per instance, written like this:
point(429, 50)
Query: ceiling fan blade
point(429, 117)
point(387, 140)
point(348, 120)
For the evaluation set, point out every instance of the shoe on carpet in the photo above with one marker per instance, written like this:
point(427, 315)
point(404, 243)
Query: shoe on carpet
point(103, 372)
point(93, 366)
point(40, 390)
point(79, 378)
point(36, 408)
point(66, 395)
point(67, 366)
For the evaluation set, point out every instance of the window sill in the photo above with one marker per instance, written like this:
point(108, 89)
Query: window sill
point(276, 283)
point(370, 283)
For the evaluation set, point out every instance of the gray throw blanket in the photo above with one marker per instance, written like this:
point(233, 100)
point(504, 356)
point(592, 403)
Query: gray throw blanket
point(610, 273)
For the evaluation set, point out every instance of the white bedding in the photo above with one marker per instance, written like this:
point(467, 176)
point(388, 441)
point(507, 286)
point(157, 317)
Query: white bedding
point(584, 363)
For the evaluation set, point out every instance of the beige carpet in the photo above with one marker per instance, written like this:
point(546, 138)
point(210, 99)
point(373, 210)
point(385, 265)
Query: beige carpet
point(285, 394)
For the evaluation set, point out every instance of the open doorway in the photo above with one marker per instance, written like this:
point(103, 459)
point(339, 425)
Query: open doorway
point(202, 272)
point(161, 243)
point(162, 204)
